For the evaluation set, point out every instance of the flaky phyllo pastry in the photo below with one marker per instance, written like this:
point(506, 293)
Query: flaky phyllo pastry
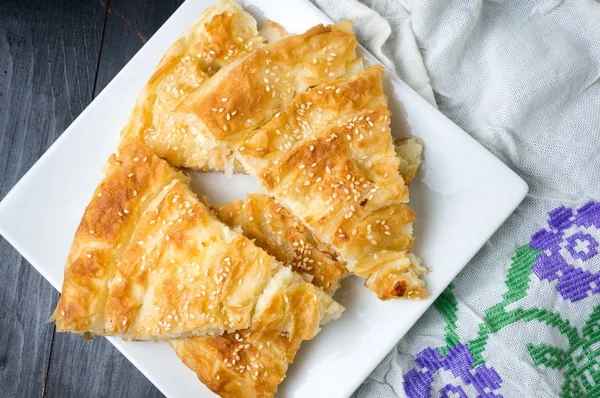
point(328, 157)
point(223, 34)
point(273, 228)
point(150, 261)
point(246, 93)
point(250, 363)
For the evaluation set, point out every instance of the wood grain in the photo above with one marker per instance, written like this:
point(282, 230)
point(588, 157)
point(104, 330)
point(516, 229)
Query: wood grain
point(48, 59)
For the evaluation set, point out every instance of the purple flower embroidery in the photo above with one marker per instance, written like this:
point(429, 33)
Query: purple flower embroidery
point(458, 364)
point(570, 243)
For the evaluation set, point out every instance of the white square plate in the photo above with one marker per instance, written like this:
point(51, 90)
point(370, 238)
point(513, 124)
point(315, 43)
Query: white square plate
point(461, 196)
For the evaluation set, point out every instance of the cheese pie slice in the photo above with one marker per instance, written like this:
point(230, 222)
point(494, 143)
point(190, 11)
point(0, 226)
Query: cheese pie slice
point(248, 92)
point(250, 363)
point(150, 261)
point(223, 34)
point(329, 158)
point(273, 228)
point(245, 364)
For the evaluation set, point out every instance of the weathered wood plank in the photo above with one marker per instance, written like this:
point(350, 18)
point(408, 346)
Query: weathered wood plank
point(78, 367)
point(48, 60)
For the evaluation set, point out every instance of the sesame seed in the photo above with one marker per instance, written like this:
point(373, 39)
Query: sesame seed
point(224, 99)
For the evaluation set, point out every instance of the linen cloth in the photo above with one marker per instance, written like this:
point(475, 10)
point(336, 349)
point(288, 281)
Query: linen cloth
point(523, 78)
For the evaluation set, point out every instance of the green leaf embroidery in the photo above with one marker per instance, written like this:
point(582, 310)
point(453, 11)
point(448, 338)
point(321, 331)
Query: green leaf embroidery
point(517, 282)
point(447, 306)
point(591, 329)
point(517, 278)
point(548, 356)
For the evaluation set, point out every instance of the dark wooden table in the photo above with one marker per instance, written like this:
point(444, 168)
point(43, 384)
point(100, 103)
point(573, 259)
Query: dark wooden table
point(55, 57)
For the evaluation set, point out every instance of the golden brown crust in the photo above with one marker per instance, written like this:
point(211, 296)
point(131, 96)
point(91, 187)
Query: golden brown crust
point(131, 181)
point(252, 363)
point(191, 265)
point(224, 33)
point(329, 158)
point(246, 93)
point(274, 229)
point(169, 268)
point(244, 364)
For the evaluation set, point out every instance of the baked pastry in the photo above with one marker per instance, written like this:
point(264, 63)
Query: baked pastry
point(273, 228)
point(253, 363)
point(250, 363)
point(410, 152)
point(243, 364)
point(104, 233)
point(175, 270)
point(328, 157)
point(223, 34)
point(248, 92)
point(239, 365)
